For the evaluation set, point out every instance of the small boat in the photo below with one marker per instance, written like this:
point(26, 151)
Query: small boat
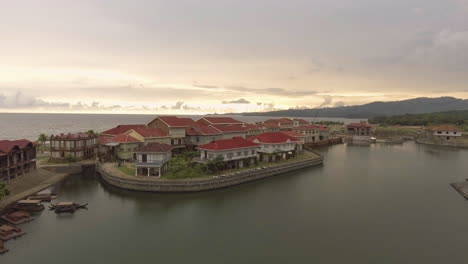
point(3, 249)
point(8, 232)
point(17, 217)
point(42, 198)
point(66, 207)
point(29, 205)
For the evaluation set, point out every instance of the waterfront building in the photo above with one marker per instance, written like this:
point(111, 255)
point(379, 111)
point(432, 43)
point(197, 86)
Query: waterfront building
point(236, 152)
point(295, 134)
point(270, 127)
point(17, 157)
point(219, 121)
point(311, 133)
point(152, 159)
point(449, 132)
point(174, 126)
point(150, 135)
point(359, 129)
point(300, 122)
point(254, 129)
point(276, 145)
point(78, 146)
point(282, 123)
point(232, 131)
point(122, 147)
point(120, 129)
point(200, 134)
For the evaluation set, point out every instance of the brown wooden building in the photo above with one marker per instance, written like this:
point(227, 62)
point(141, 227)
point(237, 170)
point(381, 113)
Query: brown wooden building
point(17, 157)
point(77, 146)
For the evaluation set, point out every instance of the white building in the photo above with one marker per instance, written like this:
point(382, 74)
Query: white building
point(276, 145)
point(152, 159)
point(236, 152)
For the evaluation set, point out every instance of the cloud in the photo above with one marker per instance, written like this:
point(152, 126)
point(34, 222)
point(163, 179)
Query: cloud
point(339, 104)
point(327, 100)
point(20, 100)
point(238, 101)
point(177, 106)
point(272, 91)
point(206, 86)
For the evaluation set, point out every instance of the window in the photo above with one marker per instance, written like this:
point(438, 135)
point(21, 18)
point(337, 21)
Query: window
point(246, 153)
point(439, 132)
point(253, 152)
point(239, 153)
point(230, 155)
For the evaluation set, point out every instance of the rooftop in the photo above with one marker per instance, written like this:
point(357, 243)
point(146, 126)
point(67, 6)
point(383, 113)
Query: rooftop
point(222, 120)
point(174, 121)
point(148, 132)
point(231, 128)
point(120, 129)
point(155, 147)
point(7, 145)
point(448, 128)
point(273, 137)
point(224, 144)
point(201, 129)
point(123, 138)
point(292, 134)
point(358, 125)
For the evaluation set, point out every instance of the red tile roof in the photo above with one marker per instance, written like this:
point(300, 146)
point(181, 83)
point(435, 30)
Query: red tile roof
point(224, 144)
point(270, 125)
point(273, 137)
point(448, 128)
point(254, 126)
point(222, 120)
point(231, 129)
point(155, 147)
point(301, 121)
point(123, 138)
point(281, 121)
point(149, 132)
point(311, 127)
point(7, 145)
point(174, 121)
point(358, 125)
point(201, 129)
point(104, 139)
point(292, 134)
point(120, 129)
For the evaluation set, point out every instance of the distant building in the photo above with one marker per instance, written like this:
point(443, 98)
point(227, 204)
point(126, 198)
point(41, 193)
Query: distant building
point(295, 134)
point(232, 131)
point(78, 146)
point(174, 126)
point(17, 157)
point(219, 121)
point(311, 133)
point(200, 134)
point(122, 147)
point(447, 131)
point(276, 145)
point(152, 159)
point(236, 152)
point(282, 123)
point(359, 129)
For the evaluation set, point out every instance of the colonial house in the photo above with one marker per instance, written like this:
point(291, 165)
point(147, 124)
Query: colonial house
point(291, 133)
point(254, 129)
point(283, 123)
point(152, 159)
point(300, 122)
point(229, 132)
point(174, 126)
point(17, 157)
point(200, 134)
point(219, 121)
point(150, 135)
point(79, 146)
point(311, 133)
point(359, 129)
point(236, 152)
point(270, 127)
point(123, 147)
point(449, 132)
point(276, 145)
point(120, 129)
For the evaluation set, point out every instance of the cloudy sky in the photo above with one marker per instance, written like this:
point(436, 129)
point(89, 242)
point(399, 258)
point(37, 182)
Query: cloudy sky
point(154, 56)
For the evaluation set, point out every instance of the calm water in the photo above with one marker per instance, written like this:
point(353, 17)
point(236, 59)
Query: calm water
point(377, 204)
point(29, 126)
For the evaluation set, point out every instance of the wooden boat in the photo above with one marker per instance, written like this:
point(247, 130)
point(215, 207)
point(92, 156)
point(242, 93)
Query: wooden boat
point(66, 207)
point(29, 205)
point(42, 198)
point(3, 249)
point(8, 232)
point(17, 217)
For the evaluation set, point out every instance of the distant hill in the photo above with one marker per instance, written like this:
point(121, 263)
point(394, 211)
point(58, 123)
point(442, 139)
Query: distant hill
point(412, 106)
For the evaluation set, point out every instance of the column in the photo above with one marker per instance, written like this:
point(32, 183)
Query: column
point(149, 171)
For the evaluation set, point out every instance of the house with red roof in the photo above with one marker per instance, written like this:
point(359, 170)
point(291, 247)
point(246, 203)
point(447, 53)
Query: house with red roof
point(122, 147)
point(276, 145)
point(219, 121)
point(150, 135)
point(232, 131)
point(152, 159)
point(236, 152)
point(313, 133)
point(17, 157)
point(174, 126)
point(120, 129)
point(283, 123)
point(295, 134)
point(362, 129)
point(78, 146)
point(200, 134)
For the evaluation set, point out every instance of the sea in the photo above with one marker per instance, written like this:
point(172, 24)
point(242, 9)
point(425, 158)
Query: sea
point(30, 126)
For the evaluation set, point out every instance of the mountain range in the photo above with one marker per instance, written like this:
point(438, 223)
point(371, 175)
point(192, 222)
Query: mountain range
point(419, 105)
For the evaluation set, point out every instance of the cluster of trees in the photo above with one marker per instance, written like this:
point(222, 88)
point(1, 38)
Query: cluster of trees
point(3, 190)
point(183, 166)
point(328, 123)
point(459, 118)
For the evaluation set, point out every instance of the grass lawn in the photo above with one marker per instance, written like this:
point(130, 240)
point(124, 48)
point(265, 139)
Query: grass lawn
point(127, 169)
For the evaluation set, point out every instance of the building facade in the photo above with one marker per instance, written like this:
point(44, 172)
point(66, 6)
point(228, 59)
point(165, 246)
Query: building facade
point(17, 157)
point(152, 159)
point(235, 152)
point(359, 129)
point(276, 146)
point(79, 146)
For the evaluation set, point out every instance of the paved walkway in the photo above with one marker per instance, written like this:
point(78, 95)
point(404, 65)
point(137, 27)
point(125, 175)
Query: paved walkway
point(29, 184)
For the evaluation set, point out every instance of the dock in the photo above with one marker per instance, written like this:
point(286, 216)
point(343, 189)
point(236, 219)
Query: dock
point(461, 187)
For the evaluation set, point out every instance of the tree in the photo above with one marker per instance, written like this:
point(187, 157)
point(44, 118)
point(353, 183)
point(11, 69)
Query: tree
point(90, 132)
point(3, 190)
point(42, 139)
point(216, 164)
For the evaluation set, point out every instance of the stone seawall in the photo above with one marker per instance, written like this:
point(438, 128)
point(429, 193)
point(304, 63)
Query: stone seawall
point(196, 185)
point(457, 144)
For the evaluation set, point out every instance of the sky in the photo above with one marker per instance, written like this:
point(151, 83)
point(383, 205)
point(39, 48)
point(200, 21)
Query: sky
point(218, 56)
